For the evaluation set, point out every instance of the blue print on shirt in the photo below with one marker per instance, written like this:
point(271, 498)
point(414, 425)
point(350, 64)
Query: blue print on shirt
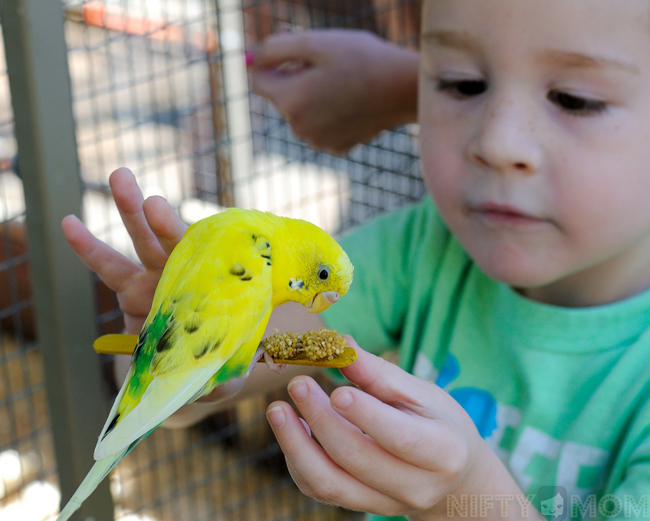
point(479, 404)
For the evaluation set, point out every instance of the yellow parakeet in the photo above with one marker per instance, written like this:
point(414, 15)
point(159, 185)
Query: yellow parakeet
point(208, 315)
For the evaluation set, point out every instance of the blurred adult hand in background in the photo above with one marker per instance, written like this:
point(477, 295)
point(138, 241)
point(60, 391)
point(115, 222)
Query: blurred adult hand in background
point(336, 87)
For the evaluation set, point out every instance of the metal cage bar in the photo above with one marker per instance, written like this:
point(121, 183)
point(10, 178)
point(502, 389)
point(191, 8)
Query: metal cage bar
point(47, 153)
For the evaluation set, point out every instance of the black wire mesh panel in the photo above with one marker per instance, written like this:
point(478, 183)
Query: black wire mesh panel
point(28, 481)
point(161, 87)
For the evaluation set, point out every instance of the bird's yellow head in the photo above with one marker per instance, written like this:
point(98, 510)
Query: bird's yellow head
point(312, 269)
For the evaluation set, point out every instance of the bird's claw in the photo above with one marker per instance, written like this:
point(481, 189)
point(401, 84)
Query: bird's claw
point(276, 368)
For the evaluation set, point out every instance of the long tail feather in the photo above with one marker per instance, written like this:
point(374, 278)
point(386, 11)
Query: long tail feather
point(99, 471)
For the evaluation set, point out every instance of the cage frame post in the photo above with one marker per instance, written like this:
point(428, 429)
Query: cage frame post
point(234, 77)
point(40, 87)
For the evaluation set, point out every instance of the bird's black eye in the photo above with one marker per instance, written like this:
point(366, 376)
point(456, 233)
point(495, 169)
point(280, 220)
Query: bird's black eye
point(323, 273)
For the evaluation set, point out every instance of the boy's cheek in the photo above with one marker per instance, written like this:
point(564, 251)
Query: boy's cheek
point(443, 179)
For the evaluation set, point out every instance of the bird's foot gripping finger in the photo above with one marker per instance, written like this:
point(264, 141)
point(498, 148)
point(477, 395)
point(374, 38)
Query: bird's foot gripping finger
point(276, 368)
point(262, 353)
point(259, 353)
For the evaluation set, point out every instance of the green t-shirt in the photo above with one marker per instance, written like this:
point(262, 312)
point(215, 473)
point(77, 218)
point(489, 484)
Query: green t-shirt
point(560, 394)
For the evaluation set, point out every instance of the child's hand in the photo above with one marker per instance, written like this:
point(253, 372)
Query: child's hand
point(397, 445)
point(336, 87)
point(154, 228)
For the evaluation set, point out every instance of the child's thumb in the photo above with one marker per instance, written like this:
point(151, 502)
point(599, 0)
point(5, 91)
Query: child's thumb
point(280, 48)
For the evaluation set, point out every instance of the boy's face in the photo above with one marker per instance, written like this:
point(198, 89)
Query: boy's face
point(535, 140)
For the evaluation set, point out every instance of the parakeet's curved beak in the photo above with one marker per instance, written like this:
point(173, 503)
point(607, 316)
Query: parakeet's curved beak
point(322, 301)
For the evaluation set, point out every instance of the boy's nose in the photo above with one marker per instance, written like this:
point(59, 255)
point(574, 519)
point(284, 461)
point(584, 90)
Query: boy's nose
point(506, 139)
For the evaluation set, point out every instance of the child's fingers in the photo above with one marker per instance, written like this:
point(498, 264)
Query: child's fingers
point(280, 62)
point(283, 90)
point(392, 385)
point(113, 268)
point(164, 222)
point(426, 443)
point(356, 452)
point(297, 479)
point(306, 426)
point(315, 472)
point(128, 199)
point(283, 47)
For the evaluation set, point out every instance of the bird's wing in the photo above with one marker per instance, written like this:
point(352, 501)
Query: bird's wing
point(205, 309)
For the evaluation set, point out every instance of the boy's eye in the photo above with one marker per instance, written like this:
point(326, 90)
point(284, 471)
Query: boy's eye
point(462, 88)
point(576, 105)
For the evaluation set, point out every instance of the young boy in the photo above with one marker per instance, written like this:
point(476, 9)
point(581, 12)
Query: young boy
point(520, 286)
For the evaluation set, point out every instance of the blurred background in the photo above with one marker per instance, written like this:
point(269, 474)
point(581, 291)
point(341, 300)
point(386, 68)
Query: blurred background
point(159, 86)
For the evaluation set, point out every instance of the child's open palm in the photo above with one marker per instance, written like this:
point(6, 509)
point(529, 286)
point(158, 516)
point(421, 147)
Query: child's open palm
point(154, 228)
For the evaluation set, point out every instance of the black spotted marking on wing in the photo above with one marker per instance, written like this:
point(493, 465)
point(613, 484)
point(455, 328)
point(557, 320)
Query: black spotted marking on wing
point(192, 325)
point(237, 270)
point(207, 347)
point(143, 335)
point(261, 243)
point(138, 346)
point(240, 271)
point(111, 425)
point(164, 344)
point(264, 246)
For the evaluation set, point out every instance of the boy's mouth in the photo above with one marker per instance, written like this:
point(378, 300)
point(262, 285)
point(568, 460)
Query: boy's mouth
point(505, 214)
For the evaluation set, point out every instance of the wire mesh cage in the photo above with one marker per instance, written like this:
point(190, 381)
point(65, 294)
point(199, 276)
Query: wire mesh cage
point(27, 462)
point(161, 86)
